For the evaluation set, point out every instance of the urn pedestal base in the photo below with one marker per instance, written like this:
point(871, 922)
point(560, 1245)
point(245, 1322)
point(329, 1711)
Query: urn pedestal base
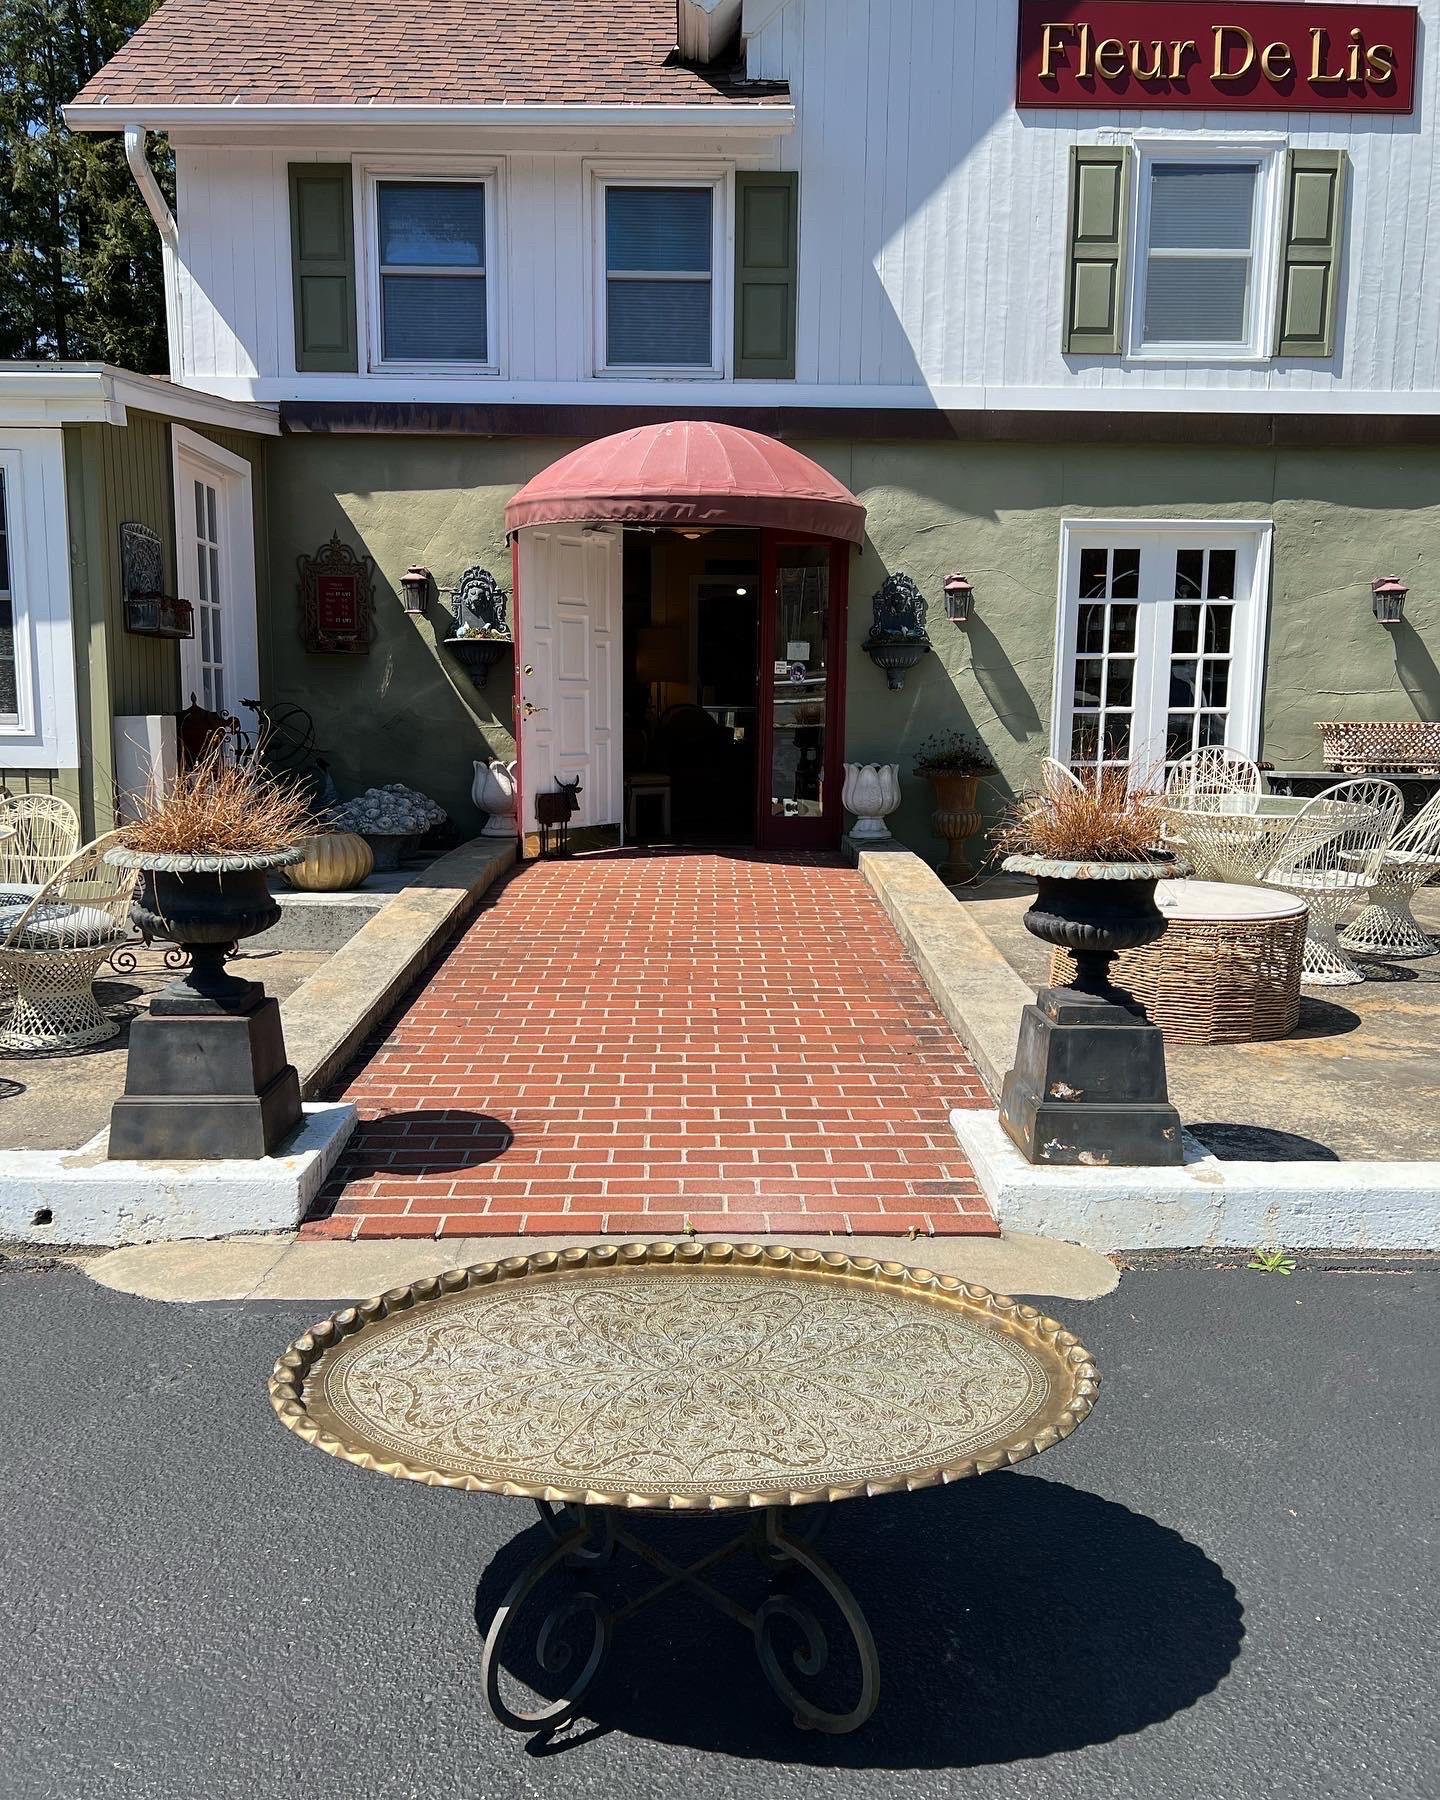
point(1088, 1086)
point(205, 1082)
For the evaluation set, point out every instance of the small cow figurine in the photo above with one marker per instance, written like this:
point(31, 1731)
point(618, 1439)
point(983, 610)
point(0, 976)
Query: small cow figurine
point(553, 813)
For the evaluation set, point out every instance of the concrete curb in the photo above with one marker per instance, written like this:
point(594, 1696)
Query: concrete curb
point(79, 1197)
point(1206, 1204)
point(979, 993)
point(282, 1268)
point(329, 1016)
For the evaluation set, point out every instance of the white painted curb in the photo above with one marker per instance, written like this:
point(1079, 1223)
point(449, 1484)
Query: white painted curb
point(1206, 1203)
point(78, 1197)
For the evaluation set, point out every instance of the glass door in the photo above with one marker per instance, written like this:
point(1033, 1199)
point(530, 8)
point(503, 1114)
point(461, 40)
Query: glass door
point(801, 694)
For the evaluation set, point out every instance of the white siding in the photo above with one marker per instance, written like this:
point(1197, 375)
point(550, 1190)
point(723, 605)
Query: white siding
point(931, 253)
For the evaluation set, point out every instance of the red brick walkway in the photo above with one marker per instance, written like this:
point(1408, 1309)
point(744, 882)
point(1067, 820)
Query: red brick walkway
point(625, 1044)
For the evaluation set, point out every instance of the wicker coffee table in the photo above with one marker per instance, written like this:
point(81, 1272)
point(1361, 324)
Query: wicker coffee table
point(609, 1382)
point(1227, 970)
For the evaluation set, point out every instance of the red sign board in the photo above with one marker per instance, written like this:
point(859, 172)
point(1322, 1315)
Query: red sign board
point(1205, 55)
point(337, 603)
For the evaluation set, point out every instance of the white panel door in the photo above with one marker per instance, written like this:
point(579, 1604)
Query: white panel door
point(215, 566)
point(568, 615)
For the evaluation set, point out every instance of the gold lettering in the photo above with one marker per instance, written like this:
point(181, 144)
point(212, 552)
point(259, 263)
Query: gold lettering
point(1352, 60)
point(1050, 47)
point(1083, 71)
point(1105, 50)
point(1318, 45)
point(1178, 47)
point(1137, 68)
point(1219, 72)
point(1276, 61)
point(1379, 62)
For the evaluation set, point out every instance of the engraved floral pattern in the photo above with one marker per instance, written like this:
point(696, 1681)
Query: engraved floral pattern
point(690, 1381)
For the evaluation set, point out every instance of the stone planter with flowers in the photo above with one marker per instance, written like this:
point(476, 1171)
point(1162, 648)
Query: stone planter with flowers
point(390, 819)
point(954, 764)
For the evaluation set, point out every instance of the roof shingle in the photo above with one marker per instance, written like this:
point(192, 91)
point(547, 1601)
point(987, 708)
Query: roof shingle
point(436, 52)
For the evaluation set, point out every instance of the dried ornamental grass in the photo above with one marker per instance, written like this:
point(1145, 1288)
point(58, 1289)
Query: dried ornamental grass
point(220, 807)
point(1101, 821)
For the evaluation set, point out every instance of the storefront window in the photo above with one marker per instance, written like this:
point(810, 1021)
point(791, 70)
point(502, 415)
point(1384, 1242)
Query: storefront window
point(802, 621)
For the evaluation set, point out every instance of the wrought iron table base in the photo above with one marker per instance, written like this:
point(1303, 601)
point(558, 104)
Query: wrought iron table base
point(588, 1537)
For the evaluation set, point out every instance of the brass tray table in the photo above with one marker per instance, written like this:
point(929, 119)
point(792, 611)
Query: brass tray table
point(687, 1378)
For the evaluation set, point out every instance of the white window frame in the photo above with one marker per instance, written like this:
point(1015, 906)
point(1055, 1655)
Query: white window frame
point(487, 174)
point(1251, 540)
point(45, 732)
point(720, 179)
point(233, 480)
point(1265, 155)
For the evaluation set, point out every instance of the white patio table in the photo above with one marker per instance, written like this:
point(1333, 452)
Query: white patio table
point(1236, 837)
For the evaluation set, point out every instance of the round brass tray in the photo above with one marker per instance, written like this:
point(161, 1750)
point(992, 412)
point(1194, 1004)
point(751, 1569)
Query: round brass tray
point(687, 1377)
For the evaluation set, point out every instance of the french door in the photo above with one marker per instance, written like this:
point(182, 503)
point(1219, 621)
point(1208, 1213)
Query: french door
point(1161, 644)
point(801, 693)
point(215, 569)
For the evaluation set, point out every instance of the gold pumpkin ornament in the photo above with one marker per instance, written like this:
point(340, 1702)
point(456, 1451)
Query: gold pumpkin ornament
point(333, 860)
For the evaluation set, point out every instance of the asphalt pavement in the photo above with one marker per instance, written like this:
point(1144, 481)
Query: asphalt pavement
point(1222, 1586)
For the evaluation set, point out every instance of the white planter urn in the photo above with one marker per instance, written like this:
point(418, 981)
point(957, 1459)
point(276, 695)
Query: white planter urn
point(871, 791)
point(493, 791)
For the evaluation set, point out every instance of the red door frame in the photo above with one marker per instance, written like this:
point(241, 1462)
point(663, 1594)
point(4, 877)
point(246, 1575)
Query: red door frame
point(773, 833)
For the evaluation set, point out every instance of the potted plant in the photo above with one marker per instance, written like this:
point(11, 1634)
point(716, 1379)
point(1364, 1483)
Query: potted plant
point(1095, 854)
point(205, 846)
point(389, 819)
point(953, 762)
point(477, 648)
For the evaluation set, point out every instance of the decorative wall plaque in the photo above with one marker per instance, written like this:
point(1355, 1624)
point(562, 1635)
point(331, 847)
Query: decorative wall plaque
point(480, 604)
point(898, 609)
point(337, 600)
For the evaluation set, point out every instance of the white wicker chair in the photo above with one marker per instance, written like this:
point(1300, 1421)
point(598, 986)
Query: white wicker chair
point(43, 834)
point(1213, 774)
point(1334, 872)
point(1387, 927)
point(51, 950)
point(1056, 776)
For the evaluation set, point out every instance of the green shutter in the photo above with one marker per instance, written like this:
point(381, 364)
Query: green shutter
point(322, 242)
point(1096, 227)
point(1310, 262)
point(766, 239)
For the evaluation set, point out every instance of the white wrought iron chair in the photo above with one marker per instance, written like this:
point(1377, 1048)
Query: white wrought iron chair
point(1387, 927)
point(1330, 858)
point(52, 947)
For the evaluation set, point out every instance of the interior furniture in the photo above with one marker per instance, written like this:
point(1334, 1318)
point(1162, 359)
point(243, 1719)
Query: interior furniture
point(52, 947)
point(639, 788)
point(618, 1381)
point(1227, 970)
point(1387, 926)
point(1334, 872)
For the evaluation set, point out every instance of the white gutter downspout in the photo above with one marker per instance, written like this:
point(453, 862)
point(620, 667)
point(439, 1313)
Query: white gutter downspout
point(169, 230)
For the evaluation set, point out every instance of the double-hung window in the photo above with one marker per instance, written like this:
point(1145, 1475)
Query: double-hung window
point(660, 292)
point(1204, 254)
point(432, 258)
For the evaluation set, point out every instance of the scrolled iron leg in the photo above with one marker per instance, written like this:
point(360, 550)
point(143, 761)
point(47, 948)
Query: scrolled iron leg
point(596, 1526)
point(811, 1656)
point(554, 1651)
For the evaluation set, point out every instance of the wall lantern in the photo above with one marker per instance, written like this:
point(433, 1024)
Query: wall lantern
point(415, 588)
point(959, 599)
point(1387, 596)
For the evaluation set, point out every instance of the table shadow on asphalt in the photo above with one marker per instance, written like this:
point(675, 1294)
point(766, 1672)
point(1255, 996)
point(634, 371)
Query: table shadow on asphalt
point(1044, 1619)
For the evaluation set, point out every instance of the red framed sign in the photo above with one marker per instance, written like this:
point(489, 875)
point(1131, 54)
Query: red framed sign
point(1210, 55)
point(337, 603)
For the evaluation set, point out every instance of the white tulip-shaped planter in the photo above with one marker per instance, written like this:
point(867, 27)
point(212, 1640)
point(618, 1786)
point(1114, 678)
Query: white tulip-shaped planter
point(493, 791)
point(871, 792)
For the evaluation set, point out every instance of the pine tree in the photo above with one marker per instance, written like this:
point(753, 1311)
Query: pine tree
point(80, 268)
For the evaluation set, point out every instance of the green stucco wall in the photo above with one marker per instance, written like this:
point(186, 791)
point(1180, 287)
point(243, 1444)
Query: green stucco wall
point(1341, 517)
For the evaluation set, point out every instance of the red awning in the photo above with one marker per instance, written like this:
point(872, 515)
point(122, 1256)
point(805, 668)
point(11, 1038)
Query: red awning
point(693, 473)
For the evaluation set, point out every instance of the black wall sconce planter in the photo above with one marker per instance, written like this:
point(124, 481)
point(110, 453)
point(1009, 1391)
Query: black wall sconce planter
point(482, 630)
point(897, 638)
